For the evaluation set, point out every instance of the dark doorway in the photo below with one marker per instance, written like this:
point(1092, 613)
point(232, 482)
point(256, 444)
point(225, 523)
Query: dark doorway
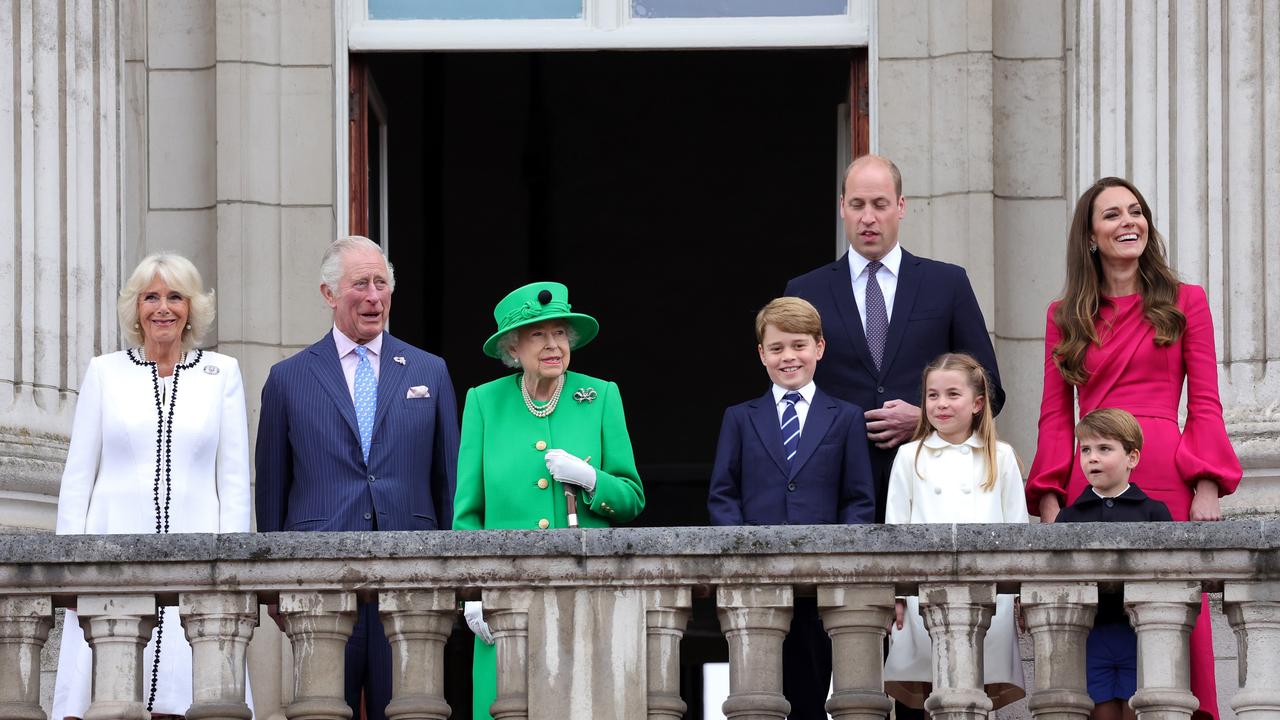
point(675, 193)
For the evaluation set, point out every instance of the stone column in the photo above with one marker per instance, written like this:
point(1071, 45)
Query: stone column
point(318, 625)
point(1254, 612)
point(1059, 617)
point(417, 623)
point(755, 620)
point(218, 626)
point(24, 626)
point(507, 612)
point(1163, 613)
point(59, 205)
point(117, 628)
point(957, 617)
point(666, 616)
point(857, 617)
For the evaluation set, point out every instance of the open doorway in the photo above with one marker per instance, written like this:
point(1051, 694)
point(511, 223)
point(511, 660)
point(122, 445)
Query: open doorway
point(674, 192)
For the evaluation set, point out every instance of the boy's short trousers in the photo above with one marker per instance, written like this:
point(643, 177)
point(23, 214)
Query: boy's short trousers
point(1111, 661)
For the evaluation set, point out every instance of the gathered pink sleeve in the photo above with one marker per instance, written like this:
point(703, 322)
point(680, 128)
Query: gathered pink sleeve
point(1205, 452)
point(1056, 441)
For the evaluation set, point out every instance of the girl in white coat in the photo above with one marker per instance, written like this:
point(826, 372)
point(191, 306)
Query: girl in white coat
point(159, 444)
point(954, 471)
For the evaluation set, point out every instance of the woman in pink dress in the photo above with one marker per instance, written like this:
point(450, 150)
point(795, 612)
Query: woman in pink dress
point(1126, 334)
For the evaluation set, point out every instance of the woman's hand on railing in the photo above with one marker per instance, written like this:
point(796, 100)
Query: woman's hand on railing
point(1049, 508)
point(1205, 505)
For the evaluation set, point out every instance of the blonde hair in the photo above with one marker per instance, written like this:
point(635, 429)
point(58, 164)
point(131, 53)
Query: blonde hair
point(984, 421)
point(181, 276)
point(790, 315)
point(1111, 424)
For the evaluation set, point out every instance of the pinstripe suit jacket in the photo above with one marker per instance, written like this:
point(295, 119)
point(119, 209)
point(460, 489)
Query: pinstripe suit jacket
point(311, 474)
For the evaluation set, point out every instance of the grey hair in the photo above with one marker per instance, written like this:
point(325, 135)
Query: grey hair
point(510, 339)
point(180, 275)
point(331, 264)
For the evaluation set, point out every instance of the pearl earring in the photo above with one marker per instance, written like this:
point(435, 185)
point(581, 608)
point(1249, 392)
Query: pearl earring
point(188, 326)
point(137, 326)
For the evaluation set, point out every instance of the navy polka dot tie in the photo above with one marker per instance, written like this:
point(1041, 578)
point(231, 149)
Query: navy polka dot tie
point(790, 426)
point(877, 317)
point(366, 399)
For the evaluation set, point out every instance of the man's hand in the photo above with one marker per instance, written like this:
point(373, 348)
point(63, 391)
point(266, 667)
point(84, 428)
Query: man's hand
point(892, 424)
point(1206, 505)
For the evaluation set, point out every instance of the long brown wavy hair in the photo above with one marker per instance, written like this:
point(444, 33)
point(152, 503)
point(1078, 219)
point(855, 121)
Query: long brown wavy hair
point(1078, 307)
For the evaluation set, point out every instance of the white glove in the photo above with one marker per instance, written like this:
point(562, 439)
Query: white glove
point(473, 612)
point(570, 469)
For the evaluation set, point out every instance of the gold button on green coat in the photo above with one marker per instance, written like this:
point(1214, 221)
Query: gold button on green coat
point(542, 483)
point(544, 523)
point(540, 445)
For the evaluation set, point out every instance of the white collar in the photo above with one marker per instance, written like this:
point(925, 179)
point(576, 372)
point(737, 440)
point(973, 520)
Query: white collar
point(936, 442)
point(892, 261)
point(1109, 497)
point(806, 392)
point(347, 345)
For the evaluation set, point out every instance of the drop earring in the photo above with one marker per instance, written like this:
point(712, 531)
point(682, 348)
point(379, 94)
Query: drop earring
point(1093, 248)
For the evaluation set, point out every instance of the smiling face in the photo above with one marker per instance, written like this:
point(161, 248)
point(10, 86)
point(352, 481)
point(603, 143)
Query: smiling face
point(162, 313)
point(543, 349)
point(1119, 226)
point(871, 209)
point(951, 404)
point(362, 300)
point(790, 358)
point(1106, 465)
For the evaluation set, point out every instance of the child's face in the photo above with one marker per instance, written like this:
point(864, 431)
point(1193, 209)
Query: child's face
point(951, 405)
point(790, 358)
point(1105, 463)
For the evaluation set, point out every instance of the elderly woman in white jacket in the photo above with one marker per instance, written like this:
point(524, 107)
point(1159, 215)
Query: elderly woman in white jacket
point(160, 444)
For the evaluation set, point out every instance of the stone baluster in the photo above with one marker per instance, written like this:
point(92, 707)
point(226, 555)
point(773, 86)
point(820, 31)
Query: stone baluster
point(1059, 617)
point(318, 625)
point(857, 617)
point(117, 628)
point(507, 612)
point(1163, 613)
point(666, 616)
point(24, 626)
point(218, 626)
point(1253, 608)
point(417, 623)
point(957, 617)
point(755, 620)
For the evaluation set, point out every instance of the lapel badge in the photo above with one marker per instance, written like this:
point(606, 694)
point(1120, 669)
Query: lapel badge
point(399, 359)
point(211, 370)
point(584, 395)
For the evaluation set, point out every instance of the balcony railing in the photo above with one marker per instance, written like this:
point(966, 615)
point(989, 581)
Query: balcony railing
point(617, 602)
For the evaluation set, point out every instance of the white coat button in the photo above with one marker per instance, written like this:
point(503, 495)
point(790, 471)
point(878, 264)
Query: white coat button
point(935, 452)
point(937, 491)
point(966, 489)
point(964, 449)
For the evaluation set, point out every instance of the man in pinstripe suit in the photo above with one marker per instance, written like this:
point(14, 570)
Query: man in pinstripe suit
point(358, 432)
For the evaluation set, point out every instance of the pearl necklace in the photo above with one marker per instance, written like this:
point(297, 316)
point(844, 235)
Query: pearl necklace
point(545, 410)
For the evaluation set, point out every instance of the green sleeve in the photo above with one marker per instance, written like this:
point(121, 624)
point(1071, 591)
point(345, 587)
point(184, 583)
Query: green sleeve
point(468, 499)
point(618, 496)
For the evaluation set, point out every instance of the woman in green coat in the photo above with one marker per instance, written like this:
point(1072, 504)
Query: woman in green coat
point(533, 438)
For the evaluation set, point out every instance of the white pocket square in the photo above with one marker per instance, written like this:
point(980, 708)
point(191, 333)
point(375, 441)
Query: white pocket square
point(417, 391)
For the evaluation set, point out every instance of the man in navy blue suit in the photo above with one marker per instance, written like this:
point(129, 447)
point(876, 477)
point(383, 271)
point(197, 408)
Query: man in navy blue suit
point(358, 432)
point(887, 314)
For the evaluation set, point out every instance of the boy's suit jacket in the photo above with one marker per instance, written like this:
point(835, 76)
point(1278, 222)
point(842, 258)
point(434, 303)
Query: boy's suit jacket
point(934, 312)
point(829, 480)
point(311, 472)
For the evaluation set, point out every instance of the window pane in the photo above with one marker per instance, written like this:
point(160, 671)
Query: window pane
point(734, 8)
point(473, 9)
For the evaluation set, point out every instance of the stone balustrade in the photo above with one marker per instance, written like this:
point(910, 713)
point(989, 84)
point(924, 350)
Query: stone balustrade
point(636, 585)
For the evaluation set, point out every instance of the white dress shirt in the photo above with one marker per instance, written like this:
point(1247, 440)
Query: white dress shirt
point(887, 277)
point(349, 359)
point(802, 407)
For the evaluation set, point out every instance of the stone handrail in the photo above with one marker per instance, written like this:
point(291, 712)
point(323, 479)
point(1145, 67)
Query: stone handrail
point(644, 579)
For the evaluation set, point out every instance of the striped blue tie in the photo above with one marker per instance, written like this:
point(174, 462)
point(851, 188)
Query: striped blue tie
point(366, 399)
point(790, 426)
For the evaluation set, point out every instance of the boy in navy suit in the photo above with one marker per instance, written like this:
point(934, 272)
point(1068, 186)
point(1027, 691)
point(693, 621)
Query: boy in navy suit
point(794, 456)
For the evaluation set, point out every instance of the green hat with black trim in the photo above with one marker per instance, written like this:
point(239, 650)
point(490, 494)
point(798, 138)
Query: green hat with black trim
point(535, 303)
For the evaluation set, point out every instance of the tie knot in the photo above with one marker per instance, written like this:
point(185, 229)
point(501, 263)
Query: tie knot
point(793, 397)
point(362, 351)
point(873, 266)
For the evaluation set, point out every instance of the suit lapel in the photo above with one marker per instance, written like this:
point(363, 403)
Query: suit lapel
point(390, 376)
point(846, 304)
point(764, 417)
point(328, 371)
point(822, 412)
point(904, 300)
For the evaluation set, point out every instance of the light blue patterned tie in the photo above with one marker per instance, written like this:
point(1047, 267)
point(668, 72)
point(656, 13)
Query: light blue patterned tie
point(366, 399)
point(790, 425)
